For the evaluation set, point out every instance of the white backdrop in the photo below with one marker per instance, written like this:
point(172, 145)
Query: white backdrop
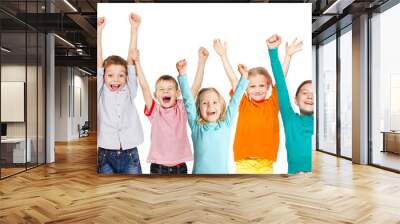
point(170, 32)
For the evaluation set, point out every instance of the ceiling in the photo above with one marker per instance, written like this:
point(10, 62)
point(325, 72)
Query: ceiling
point(76, 23)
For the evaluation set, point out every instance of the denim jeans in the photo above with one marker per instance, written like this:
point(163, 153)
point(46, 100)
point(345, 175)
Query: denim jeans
point(161, 169)
point(118, 161)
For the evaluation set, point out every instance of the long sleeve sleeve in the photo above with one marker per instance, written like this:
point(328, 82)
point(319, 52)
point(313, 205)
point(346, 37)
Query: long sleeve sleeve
point(100, 79)
point(132, 80)
point(188, 100)
point(234, 103)
point(283, 94)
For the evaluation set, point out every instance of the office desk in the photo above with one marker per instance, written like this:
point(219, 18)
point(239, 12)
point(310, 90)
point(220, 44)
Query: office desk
point(391, 141)
point(13, 150)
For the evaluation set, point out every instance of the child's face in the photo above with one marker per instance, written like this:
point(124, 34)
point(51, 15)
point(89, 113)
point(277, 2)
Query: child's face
point(305, 99)
point(115, 77)
point(210, 106)
point(258, 87)
point(166, 93)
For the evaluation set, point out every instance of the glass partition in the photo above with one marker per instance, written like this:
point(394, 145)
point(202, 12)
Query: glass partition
point(385, 89)
point(327, 96)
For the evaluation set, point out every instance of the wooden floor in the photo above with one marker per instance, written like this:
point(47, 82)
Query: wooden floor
point(70, 191)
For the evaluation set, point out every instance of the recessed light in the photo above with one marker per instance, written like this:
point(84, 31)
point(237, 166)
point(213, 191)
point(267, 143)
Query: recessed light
point(64, 40)
point(5, 50)
point(70, 5)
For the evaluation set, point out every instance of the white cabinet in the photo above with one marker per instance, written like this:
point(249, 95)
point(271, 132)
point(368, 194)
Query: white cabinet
point(18, 149)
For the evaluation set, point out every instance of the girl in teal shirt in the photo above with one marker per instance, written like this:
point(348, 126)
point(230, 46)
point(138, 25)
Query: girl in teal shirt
point(210, 121)
point(299, 128)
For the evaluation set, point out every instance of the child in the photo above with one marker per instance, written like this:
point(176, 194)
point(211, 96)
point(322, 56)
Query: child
point(299, 128)
point(210, 121)
point(257, 132)
point(170, 147)
point(120, 130)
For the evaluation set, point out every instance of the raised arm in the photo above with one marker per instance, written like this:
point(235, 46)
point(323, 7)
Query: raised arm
point(144, 85)
point(221, 51)
point(198, 79)
point(283, 95)
point(186, 93)
point(101, 22)
point(134, 20)
point(291, 49)
point(237, 95)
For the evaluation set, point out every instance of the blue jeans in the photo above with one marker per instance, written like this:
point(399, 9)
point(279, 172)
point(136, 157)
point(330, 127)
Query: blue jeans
point(118, 161)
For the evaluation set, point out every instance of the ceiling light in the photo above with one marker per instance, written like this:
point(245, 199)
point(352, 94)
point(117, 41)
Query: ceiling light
point(64, 40)
point(70, 5)
point(5, 50)
point(84, 71)
point(337, 7)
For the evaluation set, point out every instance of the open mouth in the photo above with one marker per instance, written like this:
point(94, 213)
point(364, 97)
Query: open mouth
point(114, 87)
point(309, 103)
point(166, 99)
point(211, 113)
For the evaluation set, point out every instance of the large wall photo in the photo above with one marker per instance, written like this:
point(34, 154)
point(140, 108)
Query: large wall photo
point(204, 88)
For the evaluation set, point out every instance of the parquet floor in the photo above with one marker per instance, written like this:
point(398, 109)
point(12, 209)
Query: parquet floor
point(70, 191)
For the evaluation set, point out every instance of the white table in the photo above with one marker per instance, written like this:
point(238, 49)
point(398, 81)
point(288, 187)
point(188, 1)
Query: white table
point(18, 145)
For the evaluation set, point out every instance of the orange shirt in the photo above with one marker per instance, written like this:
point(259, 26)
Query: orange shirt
point(257, 130)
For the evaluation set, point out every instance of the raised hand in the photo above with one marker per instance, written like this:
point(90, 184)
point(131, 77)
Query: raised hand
point(243, 70)
point(274, 41)
point(294, 47)
point(291, 49)
point(203, 54)
point(219, 48)
point(135, 20)
point(181, 67)
point(101, 22)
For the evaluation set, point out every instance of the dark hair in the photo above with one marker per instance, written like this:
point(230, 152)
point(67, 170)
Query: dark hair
point(115, 60)
point(261, 71)
point(167, 78)
point(301, 85)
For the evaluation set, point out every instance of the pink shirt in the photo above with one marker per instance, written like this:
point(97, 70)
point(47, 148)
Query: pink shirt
point(169, 143)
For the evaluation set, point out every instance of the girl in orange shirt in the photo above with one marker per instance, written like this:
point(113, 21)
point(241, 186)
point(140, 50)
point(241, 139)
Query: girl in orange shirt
point(256, 141)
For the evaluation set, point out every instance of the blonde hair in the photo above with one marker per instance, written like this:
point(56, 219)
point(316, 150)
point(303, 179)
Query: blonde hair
point(221, 99)
point(261, 71)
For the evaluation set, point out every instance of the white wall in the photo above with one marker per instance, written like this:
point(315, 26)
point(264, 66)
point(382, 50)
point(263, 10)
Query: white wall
point(34, 123)
point(68, 81)
point(14, 73)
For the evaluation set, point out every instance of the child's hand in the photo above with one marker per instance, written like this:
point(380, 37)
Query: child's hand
point(181, 67)
point(101, 22)
point(135, 20)
point(274, 41)
point(203, 54)
point(294, 47)
point(219, 48)
point(243, 70)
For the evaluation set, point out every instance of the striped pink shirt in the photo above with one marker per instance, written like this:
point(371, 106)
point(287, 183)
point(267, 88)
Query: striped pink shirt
point(169, 143)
